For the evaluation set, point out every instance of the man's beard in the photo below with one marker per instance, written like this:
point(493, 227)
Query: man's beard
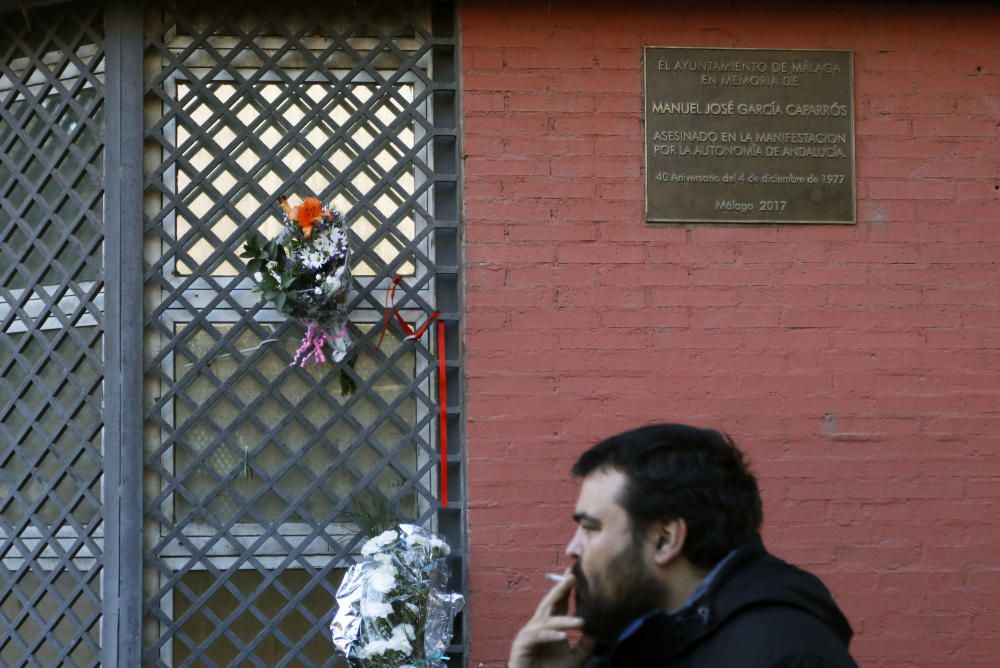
point(619, 596)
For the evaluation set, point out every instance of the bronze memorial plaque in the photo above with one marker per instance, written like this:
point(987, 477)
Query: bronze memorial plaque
point(749, 136)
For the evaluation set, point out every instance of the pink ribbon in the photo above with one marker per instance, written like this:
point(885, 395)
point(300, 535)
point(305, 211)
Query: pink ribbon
point(312, 346)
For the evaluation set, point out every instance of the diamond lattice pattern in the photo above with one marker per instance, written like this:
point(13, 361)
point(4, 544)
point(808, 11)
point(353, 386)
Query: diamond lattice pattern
point(253, 467)
point(51, 324)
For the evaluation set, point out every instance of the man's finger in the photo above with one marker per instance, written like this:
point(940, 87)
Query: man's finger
point(561, 622)
point(557, 594)
point(549, 635)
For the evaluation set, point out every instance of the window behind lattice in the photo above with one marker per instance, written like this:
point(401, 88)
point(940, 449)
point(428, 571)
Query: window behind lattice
point(252, 466)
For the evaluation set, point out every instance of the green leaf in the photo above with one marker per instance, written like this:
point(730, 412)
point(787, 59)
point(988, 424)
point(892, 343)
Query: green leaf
point(251, 246)
point(279, 301)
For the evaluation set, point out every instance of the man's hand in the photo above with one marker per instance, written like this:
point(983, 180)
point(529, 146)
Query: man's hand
point(542, 642)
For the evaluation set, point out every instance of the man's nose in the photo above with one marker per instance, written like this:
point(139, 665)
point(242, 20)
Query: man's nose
point(573, 548)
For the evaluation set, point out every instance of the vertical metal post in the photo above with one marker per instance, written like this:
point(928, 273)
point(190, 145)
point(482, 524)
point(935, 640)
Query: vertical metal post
point(121, 628)
point(446, 116)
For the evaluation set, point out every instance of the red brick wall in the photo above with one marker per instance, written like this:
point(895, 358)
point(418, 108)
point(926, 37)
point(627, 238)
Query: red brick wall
point(858, 365)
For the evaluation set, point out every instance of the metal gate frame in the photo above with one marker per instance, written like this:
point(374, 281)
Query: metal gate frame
point(124, 321)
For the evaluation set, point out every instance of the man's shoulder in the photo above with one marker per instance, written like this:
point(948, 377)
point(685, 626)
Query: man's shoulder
point(773, 636)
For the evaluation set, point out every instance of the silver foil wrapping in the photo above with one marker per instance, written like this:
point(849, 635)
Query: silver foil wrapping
point(416, 556)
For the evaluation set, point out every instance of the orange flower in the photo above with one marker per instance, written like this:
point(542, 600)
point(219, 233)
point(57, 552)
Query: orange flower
point(307, 214)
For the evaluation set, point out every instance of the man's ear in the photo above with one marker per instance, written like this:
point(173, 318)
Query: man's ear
point(670, 537)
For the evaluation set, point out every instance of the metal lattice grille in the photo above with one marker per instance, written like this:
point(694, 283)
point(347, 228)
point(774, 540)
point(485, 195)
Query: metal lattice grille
point(51, 330)
point(251, 467)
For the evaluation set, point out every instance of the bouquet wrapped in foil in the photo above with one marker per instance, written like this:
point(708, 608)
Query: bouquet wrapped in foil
point(305, 273)
point(393, 610)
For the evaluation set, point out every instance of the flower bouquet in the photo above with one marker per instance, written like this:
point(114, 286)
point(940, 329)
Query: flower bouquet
point(305, 272)
point(392, 607)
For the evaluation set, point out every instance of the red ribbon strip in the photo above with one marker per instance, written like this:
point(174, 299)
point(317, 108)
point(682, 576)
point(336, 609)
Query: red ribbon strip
point(410, 334)
point(390, 297)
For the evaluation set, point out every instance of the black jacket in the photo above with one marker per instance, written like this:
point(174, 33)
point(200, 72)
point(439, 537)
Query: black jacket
point(759, 612)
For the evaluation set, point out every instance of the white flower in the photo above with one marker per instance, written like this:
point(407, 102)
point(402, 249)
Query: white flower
point(415, 539)
point(371, 609)
point(373, 648)
point(383, 579)
point(401, 637)
point(257, 276)
point(313, 259)
point(320, 249)
point(438, 544)
point(375, 544)
point(400, 641)
point(385, 537)
point(272, 269)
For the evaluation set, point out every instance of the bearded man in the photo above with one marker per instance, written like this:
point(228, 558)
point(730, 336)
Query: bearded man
point(669, 569)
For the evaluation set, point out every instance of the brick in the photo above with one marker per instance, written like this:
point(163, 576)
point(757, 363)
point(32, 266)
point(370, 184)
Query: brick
point(602, 253)
point(549, 146)
point(670, 316)
point(503, 82)
point(481, 189)
point(962, 253)
point(632, 230)
point(912, 189)
point(577, 104)
point(533, 58)
point(732, 318)
point(627, 59)
point(556, 319)
point(482, 145)
point(617, 146)
point(628, 192)
point(696, 253)
point(949, 126)
point(483, 58)
point(515, 212)
point(641, 275)
point(595, 82)
point(970, 105)
point(483, 103)
point(618, 104)
point(625, 127)
point(492, 166)
point(879, 127)
point(979, 190)
point(601, 297)
point(843, 274)
point(505, 126)
point(510, 296)
point(882, 83)
point(930, 148)
point(575, 167)
point(550, 188)
point(555, 231)
point(698, 296)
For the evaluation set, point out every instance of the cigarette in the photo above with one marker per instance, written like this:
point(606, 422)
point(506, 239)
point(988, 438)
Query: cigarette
point(555, 577)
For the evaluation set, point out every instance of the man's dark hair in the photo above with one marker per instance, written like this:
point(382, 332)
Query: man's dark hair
point(674, 471)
